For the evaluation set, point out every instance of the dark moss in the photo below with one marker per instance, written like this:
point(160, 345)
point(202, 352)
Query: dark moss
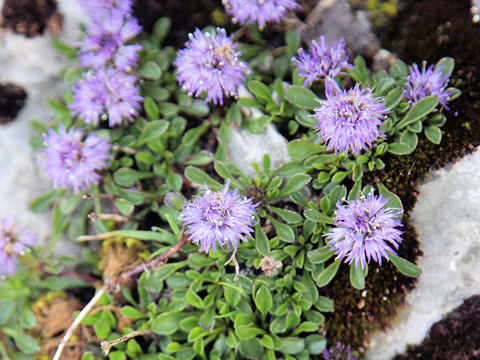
point(31, 17)
point(423, 30)
point(455, 337)
point(12, 100)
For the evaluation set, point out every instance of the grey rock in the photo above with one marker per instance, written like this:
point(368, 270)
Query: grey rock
point(447, 221)
point(335, 19)
point(245, 148)
point(33, 64)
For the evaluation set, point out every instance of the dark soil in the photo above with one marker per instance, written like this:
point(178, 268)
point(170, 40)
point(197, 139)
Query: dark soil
point(12, 99)
point(31, 17)
point(455, 337)
point(423, 30)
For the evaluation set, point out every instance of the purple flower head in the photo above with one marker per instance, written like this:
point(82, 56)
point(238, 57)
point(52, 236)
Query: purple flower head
point(106, 94)
point(221, 217)
point(72, 160)
point(339, 352)
point(421, 84)
point(210, 63)
point(364, 229)
point(259, 11)
point(106, 40)
point(322, 60)
point(349, 120)
point(98, 10)
point(14, 241)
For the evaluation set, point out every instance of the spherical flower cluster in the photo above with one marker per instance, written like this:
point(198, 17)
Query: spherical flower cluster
point(349, 120)
point(221, 218)
point(322, 60)
point(72, 161)
point(99, 10)
point(14, 241)
point(106, 94)
point(364, 229)
point(210, 63)
point(339, 352)
point(421, 84)
point(111, 27)
point(259, 11)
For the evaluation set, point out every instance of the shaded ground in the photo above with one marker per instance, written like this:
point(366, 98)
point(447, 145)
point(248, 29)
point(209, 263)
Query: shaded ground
point(12, 100)
point(455, 337)
point(31, 17)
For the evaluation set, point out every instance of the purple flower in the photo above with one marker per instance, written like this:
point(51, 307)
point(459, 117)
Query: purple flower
point(339, 352)
point(322, 62)
point(365, 229)
point(72, 160)
point(349, 119)
point(98, 10)
point(421, 84)
point(14, 241)
point(210, 63)
point(106, 94)
point(259, 11)
point(106, 40)
point(222, 217)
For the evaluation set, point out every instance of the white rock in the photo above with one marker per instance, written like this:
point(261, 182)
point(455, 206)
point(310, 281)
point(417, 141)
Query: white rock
point(33, 64)
point(447, 219)
point(245, 148)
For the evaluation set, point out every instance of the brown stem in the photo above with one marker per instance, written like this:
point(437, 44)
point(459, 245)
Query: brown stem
point(78, 320)
point(103, 236)
point(98, 196)
point(105, 345)
point(158, 260)
point(125, 149)
point(115, 217)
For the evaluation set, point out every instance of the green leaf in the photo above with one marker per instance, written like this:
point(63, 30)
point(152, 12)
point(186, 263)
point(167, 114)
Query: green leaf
point(151, 108)
point(434, 134)
point(167, 323)
point(302, 97)
point(161, 29)
point(306, 326)
point(394, 202)
point(284, 231)
point(152, 130)
point(43, 201)
point(315, 344)
point(261, 241)
point(446, 65)
point(292, 345)
point(200, 177)
point(359, 73)
point(150, 70)
point(357, 277)
point(324, 304)
point(399, 149)
point(232, 296)
point(319, 256)
point(295, 183)
point(127, 177)
point(404, 266)
point(194, 300)
point(125, 207)
point(293, 41)
point(393, 98)
point(418, 111)
point(102, 328)
point(133, 313)
point(306, 119)
point(251, 349)
point(27, 344)
point(27, 319)
point(291, 217)
point(246, 332)
point(260, 90)
point(291, 168)
point(328, 274)
point(263, 300)
point(317, 216)
point(301, 149)
point(174, 180)
point(410, 139)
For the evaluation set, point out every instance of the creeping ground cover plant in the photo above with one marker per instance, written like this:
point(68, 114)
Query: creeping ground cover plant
point(185, 255)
